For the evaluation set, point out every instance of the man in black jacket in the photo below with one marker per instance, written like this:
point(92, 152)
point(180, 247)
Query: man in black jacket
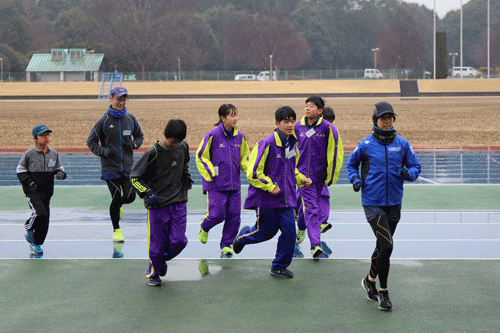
point(36, 171)
point(113, 138)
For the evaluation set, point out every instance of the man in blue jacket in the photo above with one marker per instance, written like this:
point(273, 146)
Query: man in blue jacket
point(113, 138)
point(386, 160)
point(273, 177)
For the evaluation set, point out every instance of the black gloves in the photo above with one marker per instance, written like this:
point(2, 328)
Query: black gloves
point(187, 182)
point(32, 187)
point(108, 153)
point(404, 173)
point(61, 175)
point(151, 198)
point(128, 146)
point(357, 185)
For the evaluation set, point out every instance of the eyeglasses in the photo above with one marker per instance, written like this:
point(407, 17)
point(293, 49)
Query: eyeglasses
point(121, 99)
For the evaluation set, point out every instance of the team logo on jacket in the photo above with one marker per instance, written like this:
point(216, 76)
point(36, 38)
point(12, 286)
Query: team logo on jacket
point(111, 126)
point(174, 164)
point(222, 145)
point(394, 148)
point(278, 155)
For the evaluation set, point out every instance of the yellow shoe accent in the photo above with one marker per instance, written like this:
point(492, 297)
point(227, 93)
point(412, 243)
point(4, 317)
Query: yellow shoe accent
point(226, 252)
point(301, 235)
point(118, 236)
point(203, 236)
point(121, 213)
point(203, 267)
point(316, 251)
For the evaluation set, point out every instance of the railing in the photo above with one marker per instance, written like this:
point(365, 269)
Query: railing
point(443, 167)
point(282, 75)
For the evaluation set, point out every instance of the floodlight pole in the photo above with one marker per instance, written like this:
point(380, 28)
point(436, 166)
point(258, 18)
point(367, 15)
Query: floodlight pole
point(375, 50)
point(434, 41)
point(179, 62)
point(461, 39)
point(271, 67)
point(489, 42)
point(1, 71)
point(453, 55)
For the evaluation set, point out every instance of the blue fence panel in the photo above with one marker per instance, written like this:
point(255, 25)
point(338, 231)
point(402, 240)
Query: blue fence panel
point(441, 167)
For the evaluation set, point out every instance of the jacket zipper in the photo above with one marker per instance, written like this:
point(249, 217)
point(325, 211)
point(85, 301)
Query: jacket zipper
point(230, 161)
point(386, 177)
point(120, 134)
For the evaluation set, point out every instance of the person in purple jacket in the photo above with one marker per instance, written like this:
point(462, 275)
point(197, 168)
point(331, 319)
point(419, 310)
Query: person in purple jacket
point(319, 156)
point(221, 155)
point(272, 192)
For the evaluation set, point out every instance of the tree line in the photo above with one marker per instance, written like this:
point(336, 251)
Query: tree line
point(154, 35)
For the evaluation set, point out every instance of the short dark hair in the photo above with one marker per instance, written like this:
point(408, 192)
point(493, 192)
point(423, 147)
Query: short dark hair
point(285, 113)
point(225, 110)
point(176, 129)
point(320, 103)
point(328, 114)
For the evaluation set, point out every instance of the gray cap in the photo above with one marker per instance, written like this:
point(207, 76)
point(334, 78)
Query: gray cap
point(382, 108)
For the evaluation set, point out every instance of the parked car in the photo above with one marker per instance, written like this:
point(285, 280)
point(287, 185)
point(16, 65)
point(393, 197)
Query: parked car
point(371, 73)
point(264, 76)
point(245, 77)
point(463, 72)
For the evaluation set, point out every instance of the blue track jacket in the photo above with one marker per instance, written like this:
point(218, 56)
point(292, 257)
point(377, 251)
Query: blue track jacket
point(380, 165)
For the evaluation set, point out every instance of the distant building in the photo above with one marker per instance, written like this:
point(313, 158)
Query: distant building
point(64, 65)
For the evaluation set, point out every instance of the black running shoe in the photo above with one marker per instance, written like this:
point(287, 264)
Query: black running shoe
point(384, 303)
point(237, 247)
point(371, 289)
point(282, 273)
point(155, 282)
point(163, 269)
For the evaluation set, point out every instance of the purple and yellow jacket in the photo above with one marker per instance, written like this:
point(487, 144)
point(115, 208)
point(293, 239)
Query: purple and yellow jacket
point(219, 159)
point(270, 164)
point(319, 151)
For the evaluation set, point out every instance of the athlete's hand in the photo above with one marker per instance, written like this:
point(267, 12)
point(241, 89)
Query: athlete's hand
point(306, 182)
point(61, 175)
point(404, 173)
point(152, 198)
point(276, 190)
point(357, 185)
point(32, 187)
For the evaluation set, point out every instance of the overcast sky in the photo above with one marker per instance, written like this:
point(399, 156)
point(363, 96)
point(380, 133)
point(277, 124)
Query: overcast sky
point(442, 6)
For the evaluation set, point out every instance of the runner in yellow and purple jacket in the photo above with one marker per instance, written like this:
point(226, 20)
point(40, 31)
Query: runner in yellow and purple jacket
point(220, 157)
point(319, 156)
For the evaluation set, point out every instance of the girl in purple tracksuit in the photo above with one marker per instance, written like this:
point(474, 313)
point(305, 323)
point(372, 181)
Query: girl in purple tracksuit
point(272, 192)
point(222, 153)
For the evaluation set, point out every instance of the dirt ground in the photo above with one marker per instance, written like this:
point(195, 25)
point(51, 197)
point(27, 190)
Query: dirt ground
point(427, 122)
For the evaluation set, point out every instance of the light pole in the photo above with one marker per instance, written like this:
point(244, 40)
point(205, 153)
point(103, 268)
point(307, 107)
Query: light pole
point(271, 67)
point(453, 55)
point(1, 71)
point(375, 51)
point(179, 61)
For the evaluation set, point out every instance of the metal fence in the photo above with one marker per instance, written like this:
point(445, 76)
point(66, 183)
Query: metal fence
point(282, 75)
point(448, 167)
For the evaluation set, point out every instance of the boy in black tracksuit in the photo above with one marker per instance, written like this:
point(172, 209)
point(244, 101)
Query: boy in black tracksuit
point(36, 171)
point(113, 138)
point(161, 177)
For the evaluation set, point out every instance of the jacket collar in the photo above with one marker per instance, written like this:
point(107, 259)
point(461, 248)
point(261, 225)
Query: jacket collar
point(221, 128)
point(318, 121)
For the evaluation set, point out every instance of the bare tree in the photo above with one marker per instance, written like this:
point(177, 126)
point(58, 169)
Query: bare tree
point(137, 30)
point(401, 44)
point(274, 34)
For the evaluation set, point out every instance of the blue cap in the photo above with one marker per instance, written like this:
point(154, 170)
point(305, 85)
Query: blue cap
point(118, 91)
point(39, 130)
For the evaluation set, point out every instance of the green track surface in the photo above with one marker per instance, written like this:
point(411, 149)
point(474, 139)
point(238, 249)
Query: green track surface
point(421, 197)
point(241, 296)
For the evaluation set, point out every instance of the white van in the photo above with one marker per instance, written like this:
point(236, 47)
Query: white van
point(463, 72)
point(370, 74)
point(264, 76)
point(244, 77)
